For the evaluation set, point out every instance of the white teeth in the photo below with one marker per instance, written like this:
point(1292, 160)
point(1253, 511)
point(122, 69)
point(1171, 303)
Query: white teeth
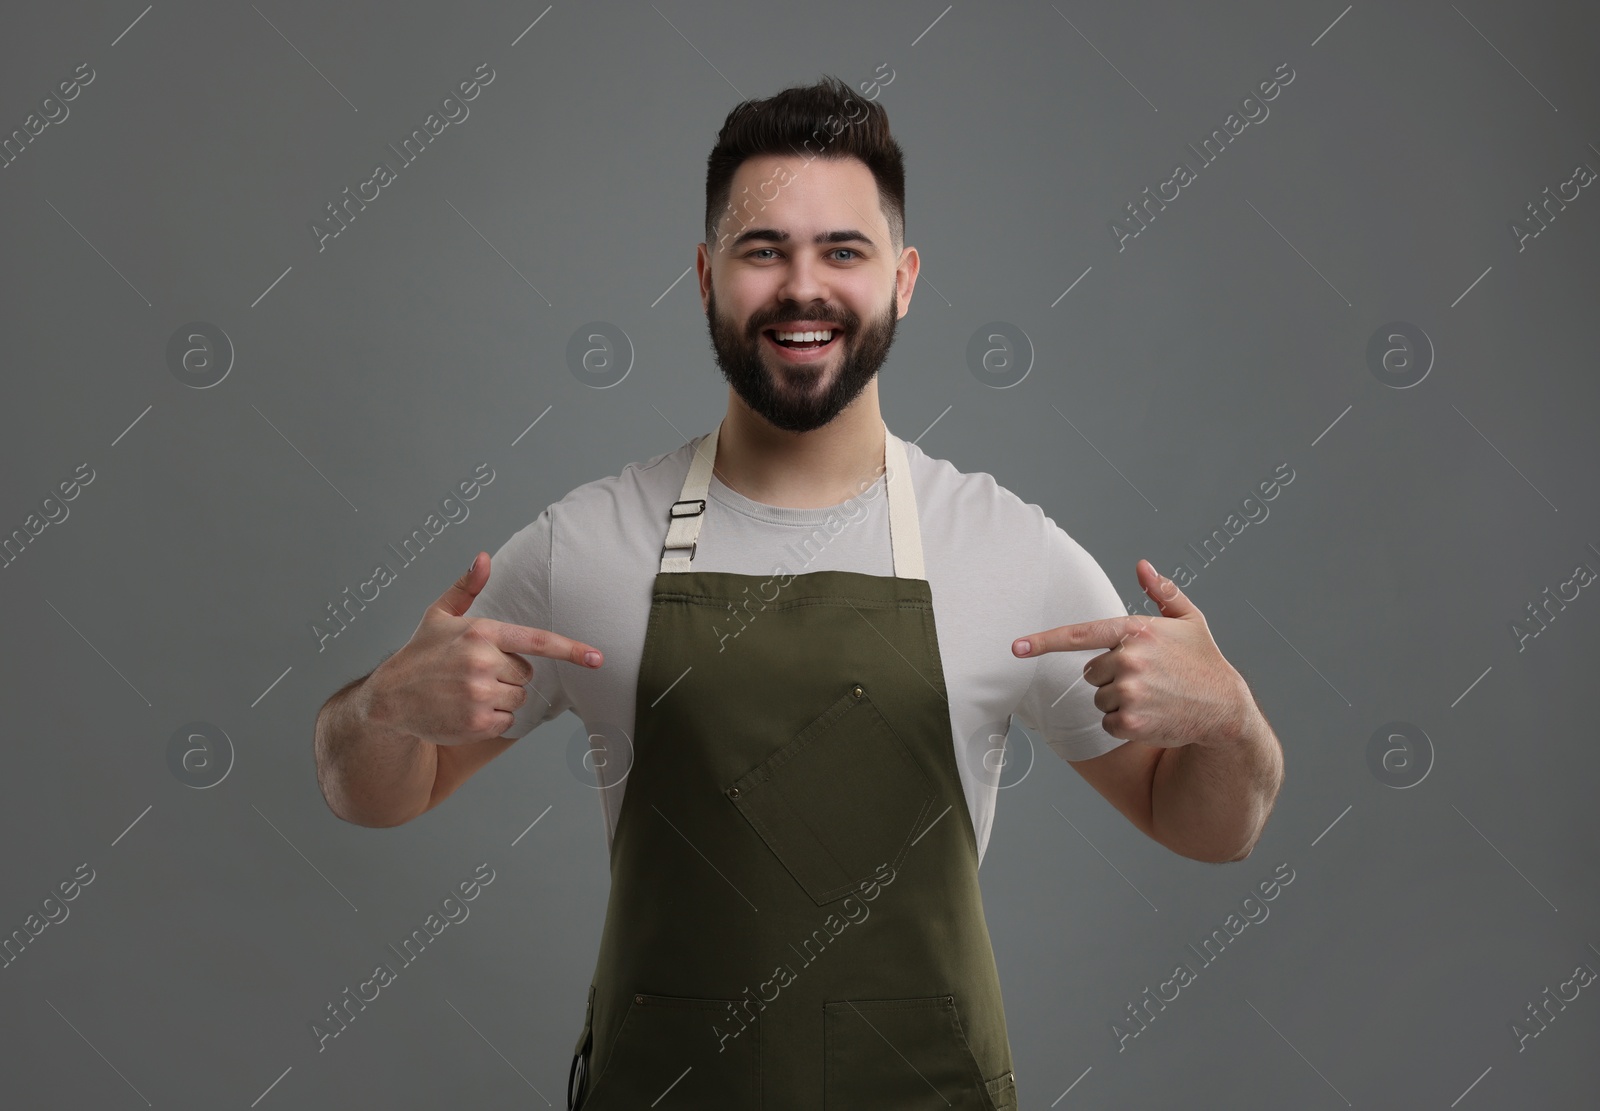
point(806, 337)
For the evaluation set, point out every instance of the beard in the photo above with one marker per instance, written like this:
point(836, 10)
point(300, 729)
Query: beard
point(786, 395)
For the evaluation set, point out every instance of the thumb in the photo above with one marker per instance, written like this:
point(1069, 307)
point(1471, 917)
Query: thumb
point(458, 598)
point(1164, 592)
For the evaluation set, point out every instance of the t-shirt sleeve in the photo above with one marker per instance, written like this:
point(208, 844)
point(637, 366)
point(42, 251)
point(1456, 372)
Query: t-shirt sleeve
point(519, 592)
point(1059, 702)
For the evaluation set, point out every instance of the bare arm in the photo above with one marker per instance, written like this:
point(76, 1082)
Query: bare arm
point(398, 741)
point(370, 775)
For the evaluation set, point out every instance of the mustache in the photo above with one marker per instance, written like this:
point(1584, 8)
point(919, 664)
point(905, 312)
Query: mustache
point(846, 325)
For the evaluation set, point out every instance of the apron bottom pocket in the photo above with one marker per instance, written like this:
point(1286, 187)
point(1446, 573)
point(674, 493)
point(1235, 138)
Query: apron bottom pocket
point(905, 1054)
point(676, 1052)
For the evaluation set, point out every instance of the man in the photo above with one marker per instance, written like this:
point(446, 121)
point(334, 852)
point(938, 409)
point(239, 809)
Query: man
point(789, 723)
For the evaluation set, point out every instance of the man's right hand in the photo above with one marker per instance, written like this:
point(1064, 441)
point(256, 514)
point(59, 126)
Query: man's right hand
point(459, 679)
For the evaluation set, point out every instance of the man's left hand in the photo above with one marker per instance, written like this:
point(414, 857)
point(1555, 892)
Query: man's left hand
point(1164, 681)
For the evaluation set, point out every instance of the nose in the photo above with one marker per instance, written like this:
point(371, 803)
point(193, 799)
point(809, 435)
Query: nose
point(803, 281)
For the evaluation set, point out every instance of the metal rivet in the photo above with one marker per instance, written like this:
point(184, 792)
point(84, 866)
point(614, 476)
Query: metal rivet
point(949, 1000)
point(638, 999)
point(733, 792)
point(856, 692)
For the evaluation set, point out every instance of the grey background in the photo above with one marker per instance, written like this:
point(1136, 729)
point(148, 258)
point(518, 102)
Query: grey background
point(374, 375)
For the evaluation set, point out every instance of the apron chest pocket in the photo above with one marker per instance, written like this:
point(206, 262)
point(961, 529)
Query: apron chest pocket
point(843, 797)
point(669, 1054)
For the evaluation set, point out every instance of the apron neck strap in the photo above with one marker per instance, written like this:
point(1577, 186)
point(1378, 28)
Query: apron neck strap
point(687, 513)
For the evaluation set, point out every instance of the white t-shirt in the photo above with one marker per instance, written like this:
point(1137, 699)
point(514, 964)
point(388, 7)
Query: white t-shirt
point(998, 569)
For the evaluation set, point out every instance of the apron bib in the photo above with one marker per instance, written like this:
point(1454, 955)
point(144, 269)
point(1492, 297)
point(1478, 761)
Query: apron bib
point(794, 918)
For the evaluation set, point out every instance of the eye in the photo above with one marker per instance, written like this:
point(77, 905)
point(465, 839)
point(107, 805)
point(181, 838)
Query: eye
point(847, 250)
point(757, 251)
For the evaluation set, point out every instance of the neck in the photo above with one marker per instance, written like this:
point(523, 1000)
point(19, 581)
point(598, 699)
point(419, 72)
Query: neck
point(801, 470)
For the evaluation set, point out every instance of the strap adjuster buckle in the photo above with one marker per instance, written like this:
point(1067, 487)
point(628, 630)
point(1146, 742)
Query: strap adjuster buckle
point(692, 546)
point(700, 502)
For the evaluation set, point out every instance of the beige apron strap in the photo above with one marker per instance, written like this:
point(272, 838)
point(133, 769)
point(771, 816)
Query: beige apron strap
point(905, 527)
point(687, 513)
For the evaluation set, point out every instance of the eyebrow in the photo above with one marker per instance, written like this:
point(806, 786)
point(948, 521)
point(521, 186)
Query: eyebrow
point(775, 235)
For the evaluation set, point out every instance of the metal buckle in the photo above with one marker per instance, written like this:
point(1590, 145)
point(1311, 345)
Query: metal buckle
point(692, 547)
point(701, 502)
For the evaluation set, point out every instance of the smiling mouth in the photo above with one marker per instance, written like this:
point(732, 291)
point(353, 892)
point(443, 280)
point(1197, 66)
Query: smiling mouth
point(802, 345)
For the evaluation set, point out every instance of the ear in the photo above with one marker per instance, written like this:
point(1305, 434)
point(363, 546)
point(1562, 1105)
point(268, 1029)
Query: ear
point(702, 266)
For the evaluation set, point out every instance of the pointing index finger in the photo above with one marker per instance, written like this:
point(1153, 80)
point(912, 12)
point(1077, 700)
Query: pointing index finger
point(1105, 632)
point(528, 641)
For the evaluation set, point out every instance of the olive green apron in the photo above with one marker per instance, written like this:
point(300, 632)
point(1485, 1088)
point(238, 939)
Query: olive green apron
point(794, 919)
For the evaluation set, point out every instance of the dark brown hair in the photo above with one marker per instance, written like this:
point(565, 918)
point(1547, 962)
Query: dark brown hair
point(824, 120)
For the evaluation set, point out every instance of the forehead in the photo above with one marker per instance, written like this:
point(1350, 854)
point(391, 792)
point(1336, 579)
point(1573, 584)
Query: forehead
point(802, 196)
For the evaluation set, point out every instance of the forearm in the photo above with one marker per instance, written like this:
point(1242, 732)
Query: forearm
point(370, 774)
point(1210, 799)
